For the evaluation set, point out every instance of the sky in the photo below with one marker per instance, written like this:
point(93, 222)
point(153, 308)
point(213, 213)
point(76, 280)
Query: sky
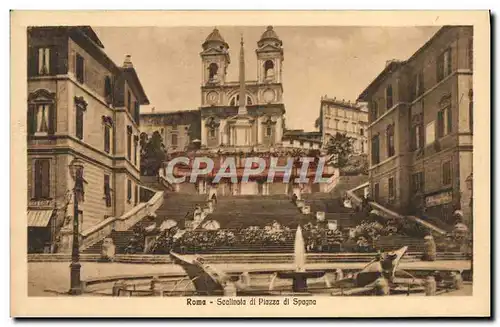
point(335, 61)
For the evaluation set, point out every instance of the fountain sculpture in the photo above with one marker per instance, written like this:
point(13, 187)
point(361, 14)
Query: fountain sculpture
point(299, 276)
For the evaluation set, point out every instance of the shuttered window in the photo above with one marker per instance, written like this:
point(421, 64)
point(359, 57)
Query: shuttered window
point(129, 190)
point(390, 141)
point(443, 65)
point(444, 122)
point(391, 188)
point(107, 138)
point(446, 173)
point(80, 68)
point(375, 150)
point(388, 97)
point(79, 121)
point(107, 190)
point(108, 89)
point(129, 142)
point(42, 179)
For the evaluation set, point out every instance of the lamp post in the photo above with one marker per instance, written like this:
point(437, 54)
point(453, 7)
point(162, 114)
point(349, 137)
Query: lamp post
point(76, 170)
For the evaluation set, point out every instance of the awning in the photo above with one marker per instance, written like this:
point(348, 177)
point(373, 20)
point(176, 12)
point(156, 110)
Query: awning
point(39, 218)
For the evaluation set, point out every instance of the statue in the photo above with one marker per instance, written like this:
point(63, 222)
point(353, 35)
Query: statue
point(108, 249)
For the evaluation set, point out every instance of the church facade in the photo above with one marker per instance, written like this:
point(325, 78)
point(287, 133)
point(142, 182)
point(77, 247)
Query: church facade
point(240, 119)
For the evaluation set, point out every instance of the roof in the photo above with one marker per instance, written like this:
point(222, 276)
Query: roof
point(131, 76)
point(215, 36)
point(167, 113)
point(269, 34)
point(341, 103)
point(394, 65)
point(391, 67)
point(91, 35)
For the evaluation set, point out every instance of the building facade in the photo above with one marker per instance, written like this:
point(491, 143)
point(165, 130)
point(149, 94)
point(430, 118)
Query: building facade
point(421, 128)
point(180, 130)
point(80, 106)
point(339, 116)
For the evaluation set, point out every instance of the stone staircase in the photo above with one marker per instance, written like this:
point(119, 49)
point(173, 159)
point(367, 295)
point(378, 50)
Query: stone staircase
point(256, 210)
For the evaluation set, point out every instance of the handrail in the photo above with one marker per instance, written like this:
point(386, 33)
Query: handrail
point(99, 231)
point(393, 214)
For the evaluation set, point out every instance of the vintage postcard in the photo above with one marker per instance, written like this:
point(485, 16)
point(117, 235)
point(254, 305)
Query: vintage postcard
point(250, 164)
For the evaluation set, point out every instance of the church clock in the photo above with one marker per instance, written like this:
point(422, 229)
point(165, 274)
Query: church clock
point(269, 96)
point(212, 98)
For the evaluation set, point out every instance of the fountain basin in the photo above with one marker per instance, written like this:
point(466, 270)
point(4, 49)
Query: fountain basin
point(299, 278)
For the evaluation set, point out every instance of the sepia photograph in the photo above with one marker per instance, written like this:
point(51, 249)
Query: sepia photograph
point(263, 165)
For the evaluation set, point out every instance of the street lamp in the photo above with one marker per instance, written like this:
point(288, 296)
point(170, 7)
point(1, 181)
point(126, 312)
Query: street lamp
point(76, 170)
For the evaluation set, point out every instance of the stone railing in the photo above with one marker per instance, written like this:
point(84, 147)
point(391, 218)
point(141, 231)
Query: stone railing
point(100, 231)
point(387, 213)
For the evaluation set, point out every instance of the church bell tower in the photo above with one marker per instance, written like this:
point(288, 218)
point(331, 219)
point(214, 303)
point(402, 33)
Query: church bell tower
point(269, 57)
point(215, 60)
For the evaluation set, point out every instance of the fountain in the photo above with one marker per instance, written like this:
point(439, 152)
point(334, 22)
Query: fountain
point(299, 276)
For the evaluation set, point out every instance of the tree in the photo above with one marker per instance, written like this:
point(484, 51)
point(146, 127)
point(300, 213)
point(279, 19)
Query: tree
point(340, 147)
point(152, 154)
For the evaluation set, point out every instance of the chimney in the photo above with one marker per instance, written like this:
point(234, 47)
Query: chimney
point(127, 63)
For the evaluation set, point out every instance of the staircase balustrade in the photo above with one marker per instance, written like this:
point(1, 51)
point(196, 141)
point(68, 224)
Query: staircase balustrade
point(100, 231)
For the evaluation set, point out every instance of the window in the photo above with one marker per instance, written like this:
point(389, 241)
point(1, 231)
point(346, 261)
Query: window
point(361, 132)
point(327, 122)
point(417, 182)
point(108, 89)
point(388, 97)
point(417, 137)
point(212, 71)
point(107, 190)
point(444, 122)
point(173, 141)
point(391, 188)
point(107, 138)
point(211, 132)
point(81, 106)
point(129, 101)
point(336, 126)
point(136, 194)
point(471, 111)
point(269, 69)
point(446, 173)
point(362, 146)
point(129, 142)
point(269, 130)
point(444, 65)
point(80, 69)
point(374, 110)
point(43, 61)
point(417, 86)
point(430, 133)
point(376, 192)
point(42, 179)
point(42, 119)
point(136, 141)
point(129, 190)
point(354, 127)
point(375, 150)
point(345, 126)
point(390, 140)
